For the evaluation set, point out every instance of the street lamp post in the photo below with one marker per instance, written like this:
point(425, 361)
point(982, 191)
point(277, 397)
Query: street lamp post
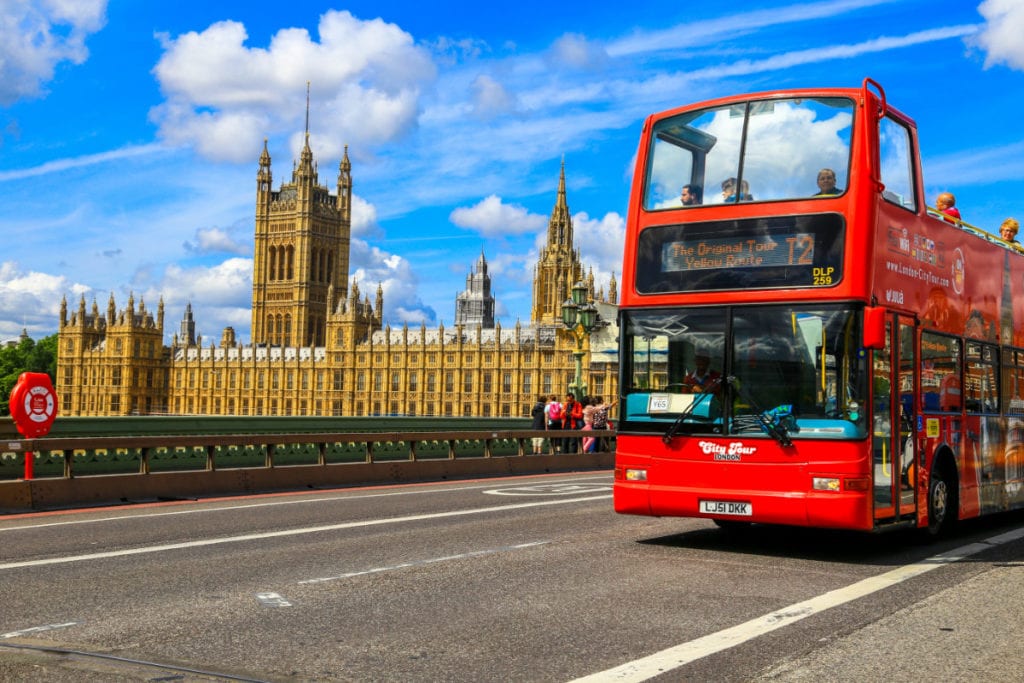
point(579, 317)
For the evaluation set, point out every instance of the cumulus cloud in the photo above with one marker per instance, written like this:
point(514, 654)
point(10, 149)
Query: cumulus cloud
point(31, 300)
point(214, 240)
point(223, 96)
point(37, 35)
point(364, 218)
point(491, 217)
point(600, 240)
point(371, 266)
point(221, 296)
point(1001, 35)
point(226, 283)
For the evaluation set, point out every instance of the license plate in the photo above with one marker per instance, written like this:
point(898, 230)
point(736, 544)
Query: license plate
point(726, 507)
point(657, 403)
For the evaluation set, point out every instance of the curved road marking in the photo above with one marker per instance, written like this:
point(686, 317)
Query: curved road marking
point(662, 662)
point(551, 490)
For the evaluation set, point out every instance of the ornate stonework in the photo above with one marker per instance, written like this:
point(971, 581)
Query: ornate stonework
point(319, 345)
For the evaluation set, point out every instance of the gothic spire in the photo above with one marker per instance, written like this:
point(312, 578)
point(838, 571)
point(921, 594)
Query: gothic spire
point(305, 169)
point(560, 225)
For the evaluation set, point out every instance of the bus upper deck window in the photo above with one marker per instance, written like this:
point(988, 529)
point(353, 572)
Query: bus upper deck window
point(785, 144)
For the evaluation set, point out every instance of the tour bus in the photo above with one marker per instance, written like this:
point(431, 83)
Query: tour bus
point(804, 339)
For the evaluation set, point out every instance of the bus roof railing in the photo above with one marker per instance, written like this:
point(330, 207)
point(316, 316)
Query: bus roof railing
point(934, 212)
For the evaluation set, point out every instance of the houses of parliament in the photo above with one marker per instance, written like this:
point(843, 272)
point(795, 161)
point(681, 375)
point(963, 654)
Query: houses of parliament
point(319, 344)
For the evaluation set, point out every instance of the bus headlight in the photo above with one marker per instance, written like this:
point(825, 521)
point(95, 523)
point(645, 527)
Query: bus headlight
point(636, 475)
point(825, 484)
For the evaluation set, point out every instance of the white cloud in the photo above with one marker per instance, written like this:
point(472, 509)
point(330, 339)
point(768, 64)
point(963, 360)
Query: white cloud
point(59, 165)
point(600, 241)
point(31, 300)
point(227, 283)
point(490, 98)
point(695, 33)
point(224, 97)
point(977, 166)
point(214, 240)
point(364, 218)
point(575, 50)
point(37, 35)
point(832, 52)
point(371, 266)
point(221, 296)
point(491, 217)
point(1001, 35)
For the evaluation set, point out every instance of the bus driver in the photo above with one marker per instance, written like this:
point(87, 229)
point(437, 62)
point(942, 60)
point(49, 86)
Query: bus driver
point(701, 376)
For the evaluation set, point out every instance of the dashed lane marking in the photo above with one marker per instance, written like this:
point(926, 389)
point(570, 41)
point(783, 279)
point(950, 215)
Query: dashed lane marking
point(36, 629)
point(419, 563)
point(272, 600)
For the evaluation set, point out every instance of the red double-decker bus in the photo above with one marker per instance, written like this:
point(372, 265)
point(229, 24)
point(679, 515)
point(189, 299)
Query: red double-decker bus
point(803, 340)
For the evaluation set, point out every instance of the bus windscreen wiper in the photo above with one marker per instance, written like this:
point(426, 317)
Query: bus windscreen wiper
point(706, 392)
point(776, 430)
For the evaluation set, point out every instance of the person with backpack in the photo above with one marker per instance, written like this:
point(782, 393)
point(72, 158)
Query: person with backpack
point(554, 415)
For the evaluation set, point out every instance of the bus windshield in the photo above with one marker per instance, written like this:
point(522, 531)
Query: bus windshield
point(744, 370)
point(751, 151)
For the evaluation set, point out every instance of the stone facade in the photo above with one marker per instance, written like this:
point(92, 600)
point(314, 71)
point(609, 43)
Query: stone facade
point(320, 346)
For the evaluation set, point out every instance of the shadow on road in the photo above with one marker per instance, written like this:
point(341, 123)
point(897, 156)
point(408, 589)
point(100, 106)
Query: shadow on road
point(893, 548)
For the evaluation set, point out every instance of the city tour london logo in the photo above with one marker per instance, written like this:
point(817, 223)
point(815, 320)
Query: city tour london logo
point(733, 451)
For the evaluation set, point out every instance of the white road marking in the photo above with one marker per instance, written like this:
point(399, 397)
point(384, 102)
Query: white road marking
point(272, 600)
point(662, 662)
point(290, 532)
point(418, 563)
point(36, 629)
point(354, 495)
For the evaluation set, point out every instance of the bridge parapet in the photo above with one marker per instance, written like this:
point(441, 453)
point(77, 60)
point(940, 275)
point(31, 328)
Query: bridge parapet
point(106, 470)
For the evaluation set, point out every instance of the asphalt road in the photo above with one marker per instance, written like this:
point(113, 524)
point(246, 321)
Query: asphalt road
point(516, 579)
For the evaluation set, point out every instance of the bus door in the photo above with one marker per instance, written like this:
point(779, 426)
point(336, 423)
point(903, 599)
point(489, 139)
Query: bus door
point(893, 425)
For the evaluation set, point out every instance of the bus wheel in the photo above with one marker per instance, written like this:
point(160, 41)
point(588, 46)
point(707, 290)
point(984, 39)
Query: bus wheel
point(941, 502)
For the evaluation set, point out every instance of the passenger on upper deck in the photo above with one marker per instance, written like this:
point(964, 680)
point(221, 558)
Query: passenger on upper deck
point(729, 191)
point(692, 195)
point(946, 203)
point(827, 183)
point(1008, 230)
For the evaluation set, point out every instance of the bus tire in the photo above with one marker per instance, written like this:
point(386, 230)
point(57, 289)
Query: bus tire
point(942, 500)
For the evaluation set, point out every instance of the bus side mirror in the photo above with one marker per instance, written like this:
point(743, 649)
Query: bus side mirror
point(874, 327)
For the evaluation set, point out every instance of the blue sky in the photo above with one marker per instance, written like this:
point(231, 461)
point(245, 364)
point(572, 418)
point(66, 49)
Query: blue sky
point(130, 131)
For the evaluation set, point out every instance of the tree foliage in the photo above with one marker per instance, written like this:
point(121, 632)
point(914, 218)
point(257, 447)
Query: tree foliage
point(26, 356)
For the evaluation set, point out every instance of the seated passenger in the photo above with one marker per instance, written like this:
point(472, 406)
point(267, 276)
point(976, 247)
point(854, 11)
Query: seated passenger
point(946, 203)
point(827, 183)
point(729, 191)
point(692, 195)
point(1008, 230)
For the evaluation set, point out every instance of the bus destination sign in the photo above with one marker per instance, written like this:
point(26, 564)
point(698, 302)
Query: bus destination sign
point(748, 251)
